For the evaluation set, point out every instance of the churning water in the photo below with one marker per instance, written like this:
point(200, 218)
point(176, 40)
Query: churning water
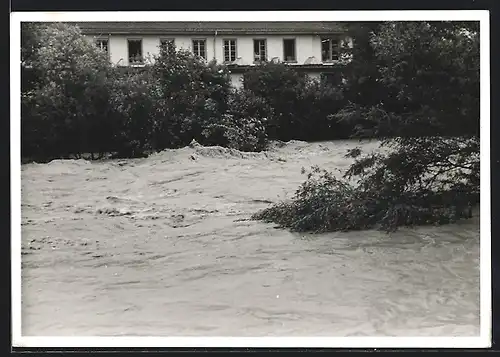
point(163, 246)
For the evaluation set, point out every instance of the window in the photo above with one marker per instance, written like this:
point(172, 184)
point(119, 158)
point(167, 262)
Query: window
point(329, 49)
point(229, 50)
point(102, 44)
point(135, 52)
point(289, 50)
point(169, 42)
point(199, 48)
point(259, 50)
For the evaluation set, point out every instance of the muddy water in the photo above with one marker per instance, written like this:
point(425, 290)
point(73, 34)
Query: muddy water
point(162, 247)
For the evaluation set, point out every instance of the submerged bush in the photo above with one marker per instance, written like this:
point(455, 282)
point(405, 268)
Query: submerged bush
point(324, 203)
point(244, 134)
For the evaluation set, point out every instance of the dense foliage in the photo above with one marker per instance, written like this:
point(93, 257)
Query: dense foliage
point(428, 120)
point(301, 107)
point(67, 94)
point(75, 102)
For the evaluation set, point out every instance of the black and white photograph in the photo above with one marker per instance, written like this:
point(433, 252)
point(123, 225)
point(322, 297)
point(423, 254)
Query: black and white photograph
point(250, 178)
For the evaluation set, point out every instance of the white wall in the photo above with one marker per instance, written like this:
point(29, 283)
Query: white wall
point(314, 75)
point(305, 46)
point(244, 49)
point(236, 80)
point(316, 47)
point(117, 50)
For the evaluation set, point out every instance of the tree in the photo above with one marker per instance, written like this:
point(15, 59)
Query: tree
point(132, 112)
point(190, 93)
point(301, 106)
point(430, 75)
point(64, 109)
point(361, 73)
point(428, 120)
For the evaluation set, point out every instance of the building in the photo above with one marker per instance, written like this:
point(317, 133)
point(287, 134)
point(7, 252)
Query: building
point(314, 47)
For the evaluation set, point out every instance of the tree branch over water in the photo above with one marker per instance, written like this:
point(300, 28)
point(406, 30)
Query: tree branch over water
point(427, 112)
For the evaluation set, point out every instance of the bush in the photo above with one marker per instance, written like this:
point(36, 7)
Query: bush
point(190, 94)
point(317, 103)
point(194, 100)
point(280, 86)
point(131, 119)
point(244, 134)
point(324, 203)
point(301, 107)
point(248, 117)
point(75, 102)
point(321, 204)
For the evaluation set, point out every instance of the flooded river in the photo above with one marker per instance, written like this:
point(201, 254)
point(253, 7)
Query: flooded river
point(163, 246)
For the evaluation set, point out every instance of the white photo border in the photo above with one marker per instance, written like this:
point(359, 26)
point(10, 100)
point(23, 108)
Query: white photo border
point(481, 341)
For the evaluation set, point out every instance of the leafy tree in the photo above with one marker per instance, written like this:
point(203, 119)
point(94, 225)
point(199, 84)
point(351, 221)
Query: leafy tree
point(243, 126)
point(190, 94)
point(429, 124)
point(430, 75)
point(132, 109)
point(63, 111)
point(301, 107)
point(362, 85)
point(75, 102)
point(280, 85)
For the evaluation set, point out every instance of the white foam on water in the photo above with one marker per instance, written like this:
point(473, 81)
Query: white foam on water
point(162, 247)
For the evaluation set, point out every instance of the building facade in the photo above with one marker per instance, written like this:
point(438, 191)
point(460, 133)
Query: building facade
point(314, 47)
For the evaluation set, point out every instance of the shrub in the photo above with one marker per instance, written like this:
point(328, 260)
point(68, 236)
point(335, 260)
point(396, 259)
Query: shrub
point(301, 107)
point(248, 117)
point(245, 103)
point(130, 124)
point(280, 86)
point(324, 203)
point(195, 101)
point(243, 126)
point(190, 94)
point(316, 105)
point(244, 134)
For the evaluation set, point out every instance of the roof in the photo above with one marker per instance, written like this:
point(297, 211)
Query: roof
point(172, 27)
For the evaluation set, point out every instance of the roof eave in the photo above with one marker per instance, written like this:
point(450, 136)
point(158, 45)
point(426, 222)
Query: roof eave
point(208, 33)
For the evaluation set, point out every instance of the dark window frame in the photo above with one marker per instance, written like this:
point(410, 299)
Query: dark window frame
point(230, 50)
point(170, 40)
point(294, 60)
point(98, 42)
point(196, 52)
point(260, 54)
point(333, 51)
point(140, 57)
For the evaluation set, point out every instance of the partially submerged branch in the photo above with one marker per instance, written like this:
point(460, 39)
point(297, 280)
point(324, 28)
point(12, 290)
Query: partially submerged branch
point(393, 189)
